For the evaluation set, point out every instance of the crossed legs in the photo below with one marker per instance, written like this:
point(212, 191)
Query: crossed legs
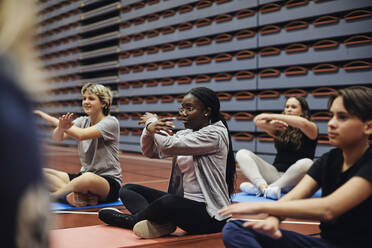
point(263, 174)
point(86, 189)
point(161, 207)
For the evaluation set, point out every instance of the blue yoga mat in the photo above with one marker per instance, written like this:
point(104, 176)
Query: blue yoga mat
point(57, 206)
point(244, 197)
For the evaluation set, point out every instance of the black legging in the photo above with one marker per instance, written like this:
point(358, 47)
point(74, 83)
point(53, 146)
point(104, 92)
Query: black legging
point(161, 207)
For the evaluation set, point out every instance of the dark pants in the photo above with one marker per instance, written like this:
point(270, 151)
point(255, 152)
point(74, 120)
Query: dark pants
point(161, 207)
point(235, 235)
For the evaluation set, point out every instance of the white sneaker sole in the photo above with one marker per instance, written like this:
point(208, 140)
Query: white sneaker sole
point(150, 230)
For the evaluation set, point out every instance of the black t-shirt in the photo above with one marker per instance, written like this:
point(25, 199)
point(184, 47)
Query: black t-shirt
point(288, 154)
point(354, 227)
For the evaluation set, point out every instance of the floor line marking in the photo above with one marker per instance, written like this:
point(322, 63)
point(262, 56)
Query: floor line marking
point(60, 153)
point(252, 220)
point(284, 222)
point(300, 222)
point(73, 212)
point(150, 181)
point(82, 212)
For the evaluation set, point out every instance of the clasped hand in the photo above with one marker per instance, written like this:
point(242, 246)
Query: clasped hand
point(268, 226)
point(161, 126)
point(65, 121)
point(272, 121)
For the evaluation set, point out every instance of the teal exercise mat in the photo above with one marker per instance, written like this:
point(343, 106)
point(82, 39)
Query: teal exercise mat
point(244, 197)
point(58, 206)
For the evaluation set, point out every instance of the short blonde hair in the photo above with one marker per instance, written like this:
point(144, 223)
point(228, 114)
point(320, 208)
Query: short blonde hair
point(104, 94)
point(17, 37)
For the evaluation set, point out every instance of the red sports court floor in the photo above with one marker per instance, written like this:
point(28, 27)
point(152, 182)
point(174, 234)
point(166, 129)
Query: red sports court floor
point(82, 228)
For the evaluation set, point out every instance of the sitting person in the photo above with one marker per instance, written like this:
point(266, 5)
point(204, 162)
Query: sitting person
point(202, 175)
point(98, 136)
point(345, 176)
point(295, 139)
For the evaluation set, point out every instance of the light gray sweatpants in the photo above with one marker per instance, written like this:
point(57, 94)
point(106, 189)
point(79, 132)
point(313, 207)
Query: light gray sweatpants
point(260, 172)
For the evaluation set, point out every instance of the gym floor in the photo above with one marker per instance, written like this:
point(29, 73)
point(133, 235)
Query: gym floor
point(135, 169)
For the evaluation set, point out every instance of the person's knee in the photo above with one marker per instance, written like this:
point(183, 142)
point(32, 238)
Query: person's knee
point(128, 186)
point(82, 182)
point(306, 161)
point(167, 201)
point(304, 164)
point(47, 170)
point(230, 232)
point(88, 176)
point(164, 209)
point(167, 205)
point(243, 154)
point(124, 189)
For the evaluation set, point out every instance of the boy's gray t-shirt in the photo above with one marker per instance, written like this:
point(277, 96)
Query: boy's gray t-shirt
point(101, 156)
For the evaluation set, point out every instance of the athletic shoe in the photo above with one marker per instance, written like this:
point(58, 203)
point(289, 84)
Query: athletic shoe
point(149, 230)
point(272, 192)
point(115, 217)
point(250, 189)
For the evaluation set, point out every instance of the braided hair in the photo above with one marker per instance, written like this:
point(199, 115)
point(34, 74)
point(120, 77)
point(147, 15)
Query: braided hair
point(209, 98)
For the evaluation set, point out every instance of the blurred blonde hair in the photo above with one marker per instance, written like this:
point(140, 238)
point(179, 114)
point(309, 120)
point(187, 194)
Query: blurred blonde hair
point(104, 94)
point(17, 32)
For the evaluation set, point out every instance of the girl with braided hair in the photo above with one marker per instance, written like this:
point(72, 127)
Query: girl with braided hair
point(202, 175)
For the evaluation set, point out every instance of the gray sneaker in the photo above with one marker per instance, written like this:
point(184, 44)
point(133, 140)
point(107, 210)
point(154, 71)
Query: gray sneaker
point(149, 230)
point(272, 192)
point(250, 189)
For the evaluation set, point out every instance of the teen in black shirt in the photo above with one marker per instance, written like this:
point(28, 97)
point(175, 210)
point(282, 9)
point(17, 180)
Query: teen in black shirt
point(295, 139)
point(353, 226)
point(345, 176)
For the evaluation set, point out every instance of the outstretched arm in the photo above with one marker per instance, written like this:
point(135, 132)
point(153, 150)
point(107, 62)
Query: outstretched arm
point(58, 133)
point(348, 196)
point(308, 127)
point(66, 129)
point(269, 125)
point(270, 225)
point(83, 133)
point(46, 117)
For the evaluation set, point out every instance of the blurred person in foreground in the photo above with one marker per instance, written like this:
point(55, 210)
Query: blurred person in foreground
point(25, 202)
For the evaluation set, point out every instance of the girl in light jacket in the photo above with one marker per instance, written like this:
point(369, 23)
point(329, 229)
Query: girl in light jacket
point(202, 176)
